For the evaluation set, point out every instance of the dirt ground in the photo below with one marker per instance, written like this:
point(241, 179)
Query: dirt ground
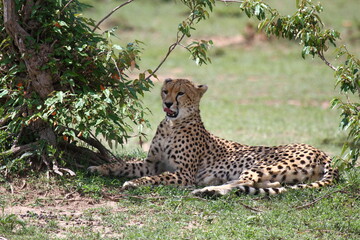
point(66, 210)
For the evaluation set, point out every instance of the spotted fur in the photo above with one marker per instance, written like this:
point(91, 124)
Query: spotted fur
point(184, 153)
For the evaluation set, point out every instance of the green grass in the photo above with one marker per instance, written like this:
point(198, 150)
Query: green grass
point(168, 212)
point(263, 94)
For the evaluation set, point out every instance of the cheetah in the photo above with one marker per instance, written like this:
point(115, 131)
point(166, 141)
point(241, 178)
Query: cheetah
point(184, 153)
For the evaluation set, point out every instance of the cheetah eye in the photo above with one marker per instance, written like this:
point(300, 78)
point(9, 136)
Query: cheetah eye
point(181, 93)
point(165, 92)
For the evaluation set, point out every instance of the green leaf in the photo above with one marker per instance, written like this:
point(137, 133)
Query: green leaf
point(3, 93)
point(80, 103)
point(60, 96)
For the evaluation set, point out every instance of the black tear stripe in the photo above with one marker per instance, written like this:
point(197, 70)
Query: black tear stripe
point(177, 102)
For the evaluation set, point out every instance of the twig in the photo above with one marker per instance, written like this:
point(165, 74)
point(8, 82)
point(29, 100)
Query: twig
point(251, 208)
point(171, 48)
point(114, 10)
point(117, 68)
point(107, 150)
point(94, 142)
point(23, 185)
point(11, 188)
point(316, 200)
point(69, 194)
point(77, 151)
point(230, 1)
point(321, 55)
point(67, 4)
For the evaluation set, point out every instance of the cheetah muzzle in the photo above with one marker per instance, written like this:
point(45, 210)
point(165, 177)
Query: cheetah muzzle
point(170, 113)
point(184, 153)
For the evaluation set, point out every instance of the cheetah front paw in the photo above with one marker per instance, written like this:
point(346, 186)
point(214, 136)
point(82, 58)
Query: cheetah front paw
point(212, 191)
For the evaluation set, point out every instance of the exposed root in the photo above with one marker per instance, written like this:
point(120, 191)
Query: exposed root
point(77, 152)
point(18, 150)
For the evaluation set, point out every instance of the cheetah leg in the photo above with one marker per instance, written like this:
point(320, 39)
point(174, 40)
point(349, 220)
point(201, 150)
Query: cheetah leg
point(249, 182)
point(126, 169)
point(165, 178)
point(267, 184)
point(215, 190)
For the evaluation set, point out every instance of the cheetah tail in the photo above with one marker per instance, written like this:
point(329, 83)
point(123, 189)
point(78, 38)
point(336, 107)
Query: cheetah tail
point(330, 175)
point(259, 191)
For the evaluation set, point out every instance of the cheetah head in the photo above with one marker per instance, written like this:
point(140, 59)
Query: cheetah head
point(181, 97)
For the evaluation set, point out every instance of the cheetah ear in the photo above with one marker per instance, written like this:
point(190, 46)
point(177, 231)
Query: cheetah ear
point(168, 80)
point(202, 89)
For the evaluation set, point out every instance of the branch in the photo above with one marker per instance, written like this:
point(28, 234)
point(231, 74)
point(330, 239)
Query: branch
point(114, 10)
point(251, 208)
point(230, 1)
point(96, 144)
point(321, 55)
point(104, 148)
point(316, 200)
point(171, 48)
point(82, 152)
point(67, 4)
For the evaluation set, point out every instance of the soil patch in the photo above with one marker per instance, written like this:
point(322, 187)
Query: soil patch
point(56, 209)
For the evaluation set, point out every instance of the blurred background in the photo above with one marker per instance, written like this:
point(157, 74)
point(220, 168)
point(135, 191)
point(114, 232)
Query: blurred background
point(261, 91)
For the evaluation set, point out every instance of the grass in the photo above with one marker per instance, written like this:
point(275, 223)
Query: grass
point(259, 94)
point(168, 212)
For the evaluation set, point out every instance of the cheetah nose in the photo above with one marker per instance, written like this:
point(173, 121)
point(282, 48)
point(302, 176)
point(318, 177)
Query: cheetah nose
point(168, 104)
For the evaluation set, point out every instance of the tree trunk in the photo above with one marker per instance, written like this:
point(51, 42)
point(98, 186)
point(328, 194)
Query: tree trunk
point(41, 80)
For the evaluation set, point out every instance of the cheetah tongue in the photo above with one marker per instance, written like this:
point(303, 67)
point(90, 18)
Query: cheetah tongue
point(168, 111)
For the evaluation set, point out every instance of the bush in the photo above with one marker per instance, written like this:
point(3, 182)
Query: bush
point(63, 83)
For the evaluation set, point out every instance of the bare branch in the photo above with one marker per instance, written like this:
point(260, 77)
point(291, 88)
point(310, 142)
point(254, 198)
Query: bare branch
point(316, 200)
point(94, 142)
point(67, 4)
point(107, 150)
point(82, 152)
point(230, 1)
point(251, 208)
point(171, 48)
point(322, 57)
point(112, 11)
point(179, 38)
